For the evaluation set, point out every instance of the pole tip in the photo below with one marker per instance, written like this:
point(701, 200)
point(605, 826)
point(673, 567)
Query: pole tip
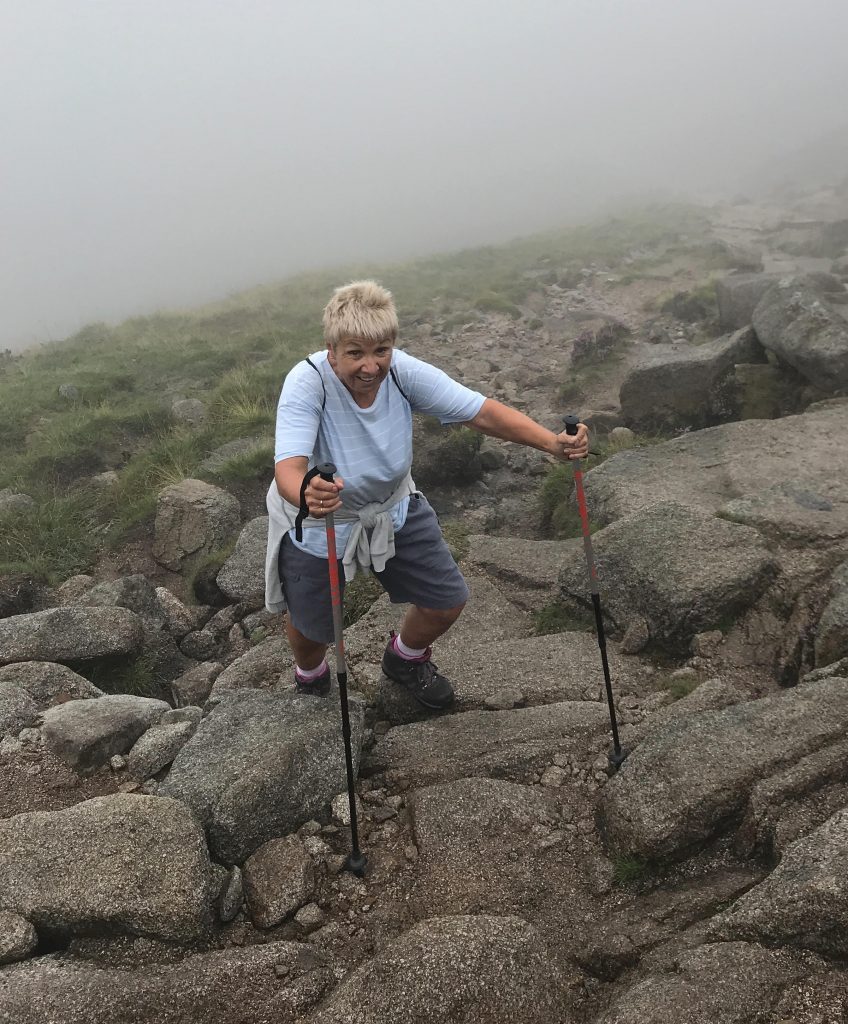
point(617, 758)
point(355, 863)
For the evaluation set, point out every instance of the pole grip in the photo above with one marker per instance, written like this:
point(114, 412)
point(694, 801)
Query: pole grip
point(326, 471)
point(571, 422)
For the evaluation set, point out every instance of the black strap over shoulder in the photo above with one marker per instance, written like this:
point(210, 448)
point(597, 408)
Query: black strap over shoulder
point(397, 384)
point(303, 511)
point(324, 389)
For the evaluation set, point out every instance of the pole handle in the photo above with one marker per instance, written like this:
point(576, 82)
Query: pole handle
point(571, 422)
point(326, 471)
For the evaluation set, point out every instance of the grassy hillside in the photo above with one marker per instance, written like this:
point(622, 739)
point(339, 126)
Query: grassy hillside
point(233, 355)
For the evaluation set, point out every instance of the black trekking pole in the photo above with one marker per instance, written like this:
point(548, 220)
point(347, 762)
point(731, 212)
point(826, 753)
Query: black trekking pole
point(356, 860)
point(616, 756)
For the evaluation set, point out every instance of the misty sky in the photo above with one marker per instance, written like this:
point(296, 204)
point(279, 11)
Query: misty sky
point(159, 153)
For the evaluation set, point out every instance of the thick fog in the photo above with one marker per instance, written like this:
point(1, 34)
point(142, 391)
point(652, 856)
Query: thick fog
point(165, 152)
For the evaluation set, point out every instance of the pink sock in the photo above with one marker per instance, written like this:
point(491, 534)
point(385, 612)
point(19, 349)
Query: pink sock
point(408, 653)
point(308, 674)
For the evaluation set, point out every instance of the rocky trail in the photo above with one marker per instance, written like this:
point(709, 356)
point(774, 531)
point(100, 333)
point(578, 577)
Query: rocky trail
point(178, 856)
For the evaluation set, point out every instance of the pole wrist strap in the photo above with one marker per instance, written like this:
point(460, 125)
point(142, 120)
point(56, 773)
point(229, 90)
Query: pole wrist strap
point(303, 512)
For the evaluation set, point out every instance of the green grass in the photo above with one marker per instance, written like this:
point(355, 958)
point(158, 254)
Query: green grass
point(127, 675)
point(628, 869)
point(677, 688)
point(558, 513)
point(57, 538)
point(557, 617)
point(233, 355)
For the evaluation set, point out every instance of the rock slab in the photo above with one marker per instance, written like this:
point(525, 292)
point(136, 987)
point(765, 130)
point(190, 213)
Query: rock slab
point(689, 781)
point(682, 570)
point(463, 969)
point(260, 765)
point(133, 864)
point(70, 635)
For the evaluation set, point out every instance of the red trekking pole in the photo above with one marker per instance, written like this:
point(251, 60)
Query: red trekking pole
point(616, 756)
point(356, 860)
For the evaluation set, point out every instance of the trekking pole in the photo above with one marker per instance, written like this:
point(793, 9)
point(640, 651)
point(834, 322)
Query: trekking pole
point(356, 860)
point(616, 756)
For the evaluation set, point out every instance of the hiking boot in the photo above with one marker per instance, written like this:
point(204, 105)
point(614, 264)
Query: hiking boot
point(317, 687)
point(420, 678)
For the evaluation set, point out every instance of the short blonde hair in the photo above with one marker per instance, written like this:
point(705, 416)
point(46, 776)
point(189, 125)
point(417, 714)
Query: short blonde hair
point(361, 309)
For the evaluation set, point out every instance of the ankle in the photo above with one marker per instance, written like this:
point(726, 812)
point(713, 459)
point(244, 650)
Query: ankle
point(409, 653)
point(308, 674)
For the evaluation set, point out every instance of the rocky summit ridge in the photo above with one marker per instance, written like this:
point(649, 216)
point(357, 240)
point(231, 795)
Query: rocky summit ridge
point(177, 854)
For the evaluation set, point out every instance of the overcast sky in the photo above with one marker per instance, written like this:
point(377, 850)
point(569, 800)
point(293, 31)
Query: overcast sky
point(165, 152)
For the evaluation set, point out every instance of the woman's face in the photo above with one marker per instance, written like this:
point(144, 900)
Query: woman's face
point(361, 365)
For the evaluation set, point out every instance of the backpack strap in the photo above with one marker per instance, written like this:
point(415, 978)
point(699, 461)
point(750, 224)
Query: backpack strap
point(323, 387)
point(397, 384)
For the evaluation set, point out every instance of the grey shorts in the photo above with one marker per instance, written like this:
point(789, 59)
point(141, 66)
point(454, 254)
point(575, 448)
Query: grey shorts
point(422, 572)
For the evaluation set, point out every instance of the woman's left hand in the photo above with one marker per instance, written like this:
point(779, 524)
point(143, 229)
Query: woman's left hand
point(573, 446)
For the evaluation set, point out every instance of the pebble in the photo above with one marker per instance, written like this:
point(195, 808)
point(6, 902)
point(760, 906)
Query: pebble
point(411, 853)
point(282, 970)
point(118, 762)
point(553, 777)
point(309, 828)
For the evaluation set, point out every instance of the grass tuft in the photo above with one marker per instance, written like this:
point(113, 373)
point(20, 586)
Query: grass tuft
point(628, 869)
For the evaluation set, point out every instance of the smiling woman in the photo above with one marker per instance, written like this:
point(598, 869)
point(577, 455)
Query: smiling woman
point(352, 405)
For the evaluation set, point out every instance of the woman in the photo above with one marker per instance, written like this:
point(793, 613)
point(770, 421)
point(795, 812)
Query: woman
point(352, 405)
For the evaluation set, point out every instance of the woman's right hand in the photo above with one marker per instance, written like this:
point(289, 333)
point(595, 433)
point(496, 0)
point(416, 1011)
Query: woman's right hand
point(322, 496)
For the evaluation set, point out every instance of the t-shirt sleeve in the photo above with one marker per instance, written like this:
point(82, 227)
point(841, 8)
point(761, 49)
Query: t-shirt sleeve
point(298, 414)
point(431, 391)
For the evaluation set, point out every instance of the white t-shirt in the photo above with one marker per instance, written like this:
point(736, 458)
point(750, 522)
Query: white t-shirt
point(371, 448)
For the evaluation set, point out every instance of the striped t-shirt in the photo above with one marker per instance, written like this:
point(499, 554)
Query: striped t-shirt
point(371, 448)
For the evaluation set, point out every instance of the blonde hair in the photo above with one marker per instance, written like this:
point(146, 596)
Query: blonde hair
point(361, 309)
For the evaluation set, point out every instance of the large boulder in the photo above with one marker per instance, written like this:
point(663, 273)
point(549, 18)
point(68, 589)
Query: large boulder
point(87, 733)
point(466, 970)
point(28, 687)
point(803, 328)
point(690, 781)
point(264, 667)
point(193, 518)
point(278, 982)
point(804, 901)
point(800, 461)
point(242, 576)
point(260, 765)
point(738, 296)
point(70, 635)
point(132, 864)
point(134, 592)
point(680, 386)
point(488, 742)
point(681, 570)
point(48, 683)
